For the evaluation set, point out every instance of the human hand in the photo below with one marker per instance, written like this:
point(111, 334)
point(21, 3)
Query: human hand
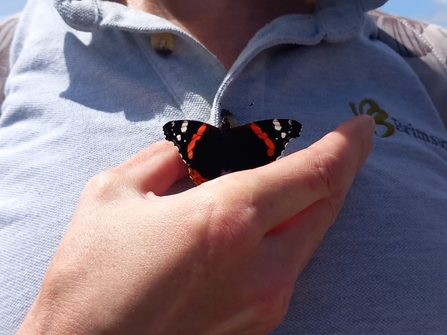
point(221, 258)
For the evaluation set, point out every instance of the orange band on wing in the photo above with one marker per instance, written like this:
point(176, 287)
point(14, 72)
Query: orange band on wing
point(194, 139)
point(196, 177)
point(268, 142)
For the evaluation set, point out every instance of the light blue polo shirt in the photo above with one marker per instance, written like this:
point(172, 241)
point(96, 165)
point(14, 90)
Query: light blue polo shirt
point(87, 91)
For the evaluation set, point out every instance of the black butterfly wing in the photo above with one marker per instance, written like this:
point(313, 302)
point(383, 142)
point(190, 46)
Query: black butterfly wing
point(200, 146)
point(258, 143)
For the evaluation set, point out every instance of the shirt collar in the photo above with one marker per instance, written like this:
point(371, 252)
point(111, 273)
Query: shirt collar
point(333, 20)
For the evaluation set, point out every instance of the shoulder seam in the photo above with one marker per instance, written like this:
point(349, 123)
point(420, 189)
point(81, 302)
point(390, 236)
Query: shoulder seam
point(441, 60)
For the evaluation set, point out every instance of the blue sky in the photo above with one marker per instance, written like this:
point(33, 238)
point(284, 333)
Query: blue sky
point(427, 10)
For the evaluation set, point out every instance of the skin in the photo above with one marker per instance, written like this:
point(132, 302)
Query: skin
point(224, 27)
point(220, 258)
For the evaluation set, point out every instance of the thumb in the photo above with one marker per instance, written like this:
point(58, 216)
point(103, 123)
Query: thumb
point(153, 169)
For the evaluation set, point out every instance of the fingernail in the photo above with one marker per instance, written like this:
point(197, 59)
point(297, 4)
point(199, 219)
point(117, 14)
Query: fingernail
point(371, 122)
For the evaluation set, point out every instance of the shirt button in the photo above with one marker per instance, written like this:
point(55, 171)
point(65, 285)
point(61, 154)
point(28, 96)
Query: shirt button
point(163, 43)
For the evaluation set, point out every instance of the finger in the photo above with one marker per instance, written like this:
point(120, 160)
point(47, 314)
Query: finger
point(155, 168)
point(295, 182)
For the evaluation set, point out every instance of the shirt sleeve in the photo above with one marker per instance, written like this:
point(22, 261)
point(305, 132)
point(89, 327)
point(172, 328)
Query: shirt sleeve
point(424, 48)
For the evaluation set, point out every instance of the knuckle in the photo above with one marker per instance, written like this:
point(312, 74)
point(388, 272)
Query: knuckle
point(230, 225)
point(229, 219)
point(325, 166)
point(334, 203)
point(105, 186)
point(273, 305)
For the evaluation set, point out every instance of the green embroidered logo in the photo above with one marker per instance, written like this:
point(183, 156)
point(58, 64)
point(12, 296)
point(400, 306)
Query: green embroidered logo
point(381, 117)
point(378, 114)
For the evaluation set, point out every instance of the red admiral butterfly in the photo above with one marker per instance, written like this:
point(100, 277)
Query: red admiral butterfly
point(211, 152)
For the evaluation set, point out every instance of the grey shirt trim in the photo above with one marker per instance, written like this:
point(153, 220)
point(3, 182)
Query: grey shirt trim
point(424, 48)
point(7, 29)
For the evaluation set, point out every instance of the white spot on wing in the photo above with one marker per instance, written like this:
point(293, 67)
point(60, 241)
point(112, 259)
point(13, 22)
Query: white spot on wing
point(184, 126)
point(277, 125)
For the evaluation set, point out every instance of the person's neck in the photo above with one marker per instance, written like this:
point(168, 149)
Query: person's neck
point(224, 27)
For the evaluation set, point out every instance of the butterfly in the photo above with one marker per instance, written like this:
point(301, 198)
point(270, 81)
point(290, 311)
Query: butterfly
point(211, 151)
